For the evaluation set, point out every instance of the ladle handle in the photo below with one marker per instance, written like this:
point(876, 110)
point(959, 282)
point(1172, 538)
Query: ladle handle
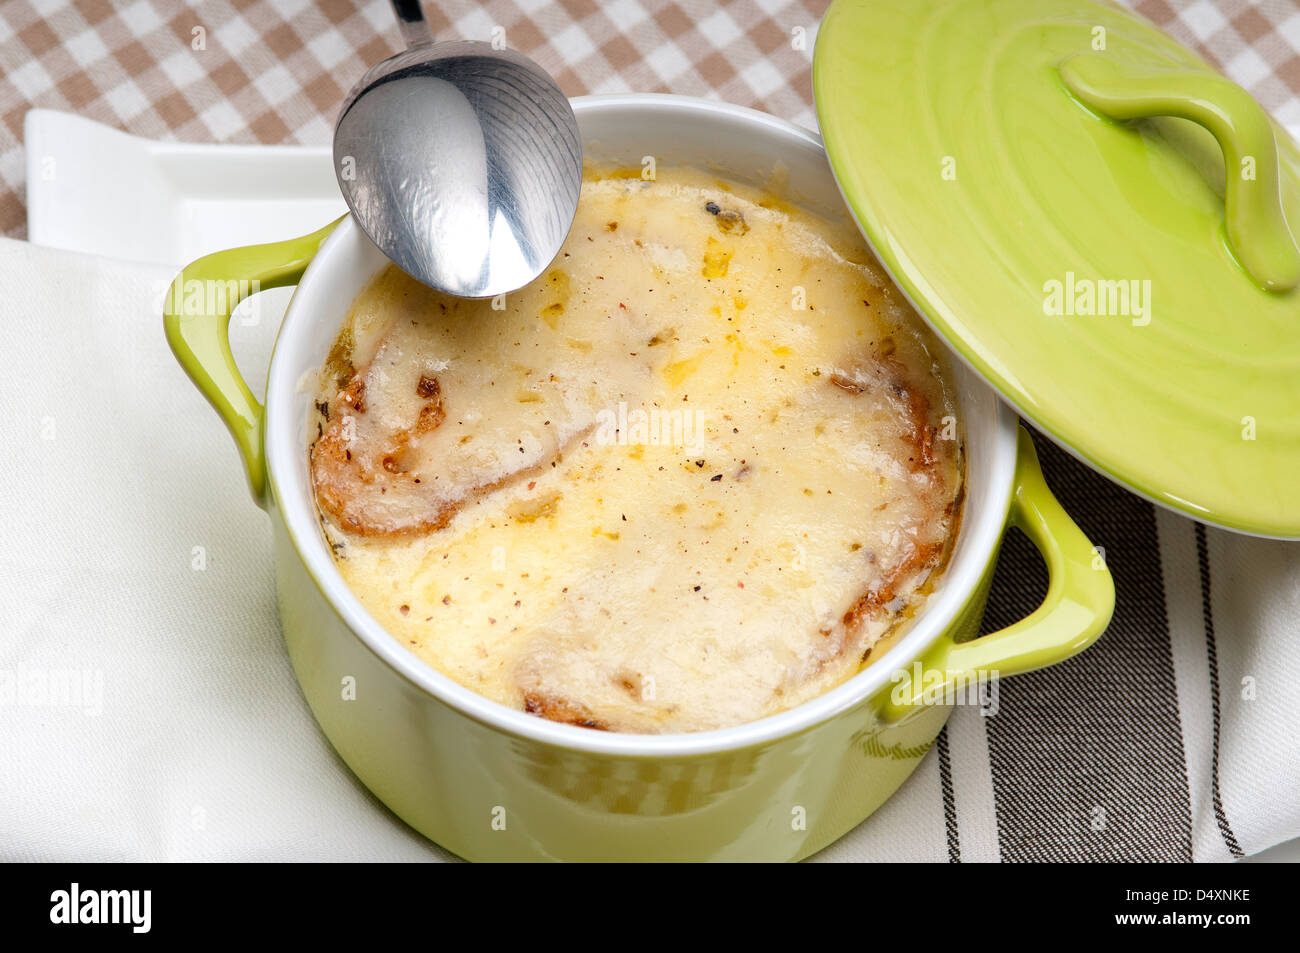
point(410, 20)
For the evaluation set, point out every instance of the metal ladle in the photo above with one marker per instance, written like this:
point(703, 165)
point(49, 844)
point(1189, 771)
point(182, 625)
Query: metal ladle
point(462, 162)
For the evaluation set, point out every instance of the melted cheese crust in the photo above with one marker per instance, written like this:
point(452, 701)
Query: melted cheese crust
point(686, 479)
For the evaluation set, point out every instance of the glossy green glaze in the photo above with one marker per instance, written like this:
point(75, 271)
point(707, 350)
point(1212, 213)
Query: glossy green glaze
point(1125, 282)
point(196, 319)
point(487, 792)
point(1256, 226)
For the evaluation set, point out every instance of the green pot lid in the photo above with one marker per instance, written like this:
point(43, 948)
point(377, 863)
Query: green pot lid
point(1045, 179)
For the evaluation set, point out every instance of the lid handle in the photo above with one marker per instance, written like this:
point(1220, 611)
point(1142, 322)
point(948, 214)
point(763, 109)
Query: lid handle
point(1257, 229)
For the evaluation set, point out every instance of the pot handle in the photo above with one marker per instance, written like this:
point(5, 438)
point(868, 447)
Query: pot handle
point(1256, 225)
point(1078, 606)
point(196, 317)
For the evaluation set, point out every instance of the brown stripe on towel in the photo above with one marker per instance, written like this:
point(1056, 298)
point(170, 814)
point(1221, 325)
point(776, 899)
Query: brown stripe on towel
point(1087, 757)
point(1212, 657)
point(949, 798)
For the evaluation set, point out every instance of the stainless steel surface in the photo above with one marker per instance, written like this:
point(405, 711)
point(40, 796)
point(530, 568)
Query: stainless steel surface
point(461, 162)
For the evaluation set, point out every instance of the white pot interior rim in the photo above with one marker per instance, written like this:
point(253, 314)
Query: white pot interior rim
point(745, 144)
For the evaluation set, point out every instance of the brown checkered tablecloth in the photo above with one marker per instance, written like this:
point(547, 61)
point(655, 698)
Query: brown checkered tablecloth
point(275, 71)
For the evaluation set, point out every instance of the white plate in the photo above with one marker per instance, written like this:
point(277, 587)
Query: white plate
point(92, 188)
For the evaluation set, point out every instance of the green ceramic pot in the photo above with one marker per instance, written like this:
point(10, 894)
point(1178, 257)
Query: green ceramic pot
point(492, 783)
